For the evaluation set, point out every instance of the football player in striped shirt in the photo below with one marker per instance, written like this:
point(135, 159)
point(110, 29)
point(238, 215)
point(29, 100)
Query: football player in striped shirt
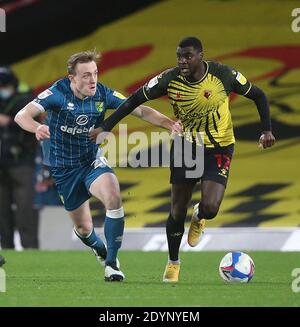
point(198, 91)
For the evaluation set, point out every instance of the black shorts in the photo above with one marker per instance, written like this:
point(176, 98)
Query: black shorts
point(216, 165)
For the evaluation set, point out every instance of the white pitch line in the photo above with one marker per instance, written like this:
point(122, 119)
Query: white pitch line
point(292, 243)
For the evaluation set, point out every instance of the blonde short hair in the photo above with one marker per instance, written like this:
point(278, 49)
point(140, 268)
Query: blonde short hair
point(81, 57)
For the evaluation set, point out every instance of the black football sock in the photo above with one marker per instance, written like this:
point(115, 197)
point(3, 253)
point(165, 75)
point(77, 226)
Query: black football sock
point(174, 232)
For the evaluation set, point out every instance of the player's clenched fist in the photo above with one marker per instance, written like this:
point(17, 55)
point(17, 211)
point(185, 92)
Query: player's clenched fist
point(266, 140)
point(42, 132)
point(93, 134)
point(177, 127)
point(98, 135)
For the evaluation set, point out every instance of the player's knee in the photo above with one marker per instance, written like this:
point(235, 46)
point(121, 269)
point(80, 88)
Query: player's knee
point(209, 209)
point(113, 200)
point(179, 214)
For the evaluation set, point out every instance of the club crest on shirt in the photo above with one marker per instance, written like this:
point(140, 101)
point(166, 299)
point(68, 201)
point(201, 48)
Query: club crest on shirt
point(99, 106)
point(207, 93)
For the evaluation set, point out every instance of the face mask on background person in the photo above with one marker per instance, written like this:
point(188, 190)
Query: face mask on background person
point(5, 93)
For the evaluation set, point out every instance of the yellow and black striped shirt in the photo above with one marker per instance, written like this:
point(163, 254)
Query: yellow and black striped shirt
point(202, 106)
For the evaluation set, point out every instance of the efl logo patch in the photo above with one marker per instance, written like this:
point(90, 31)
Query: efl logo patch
point(119, 95)
point(241, 78)
point(153, 82)
point(44, 94)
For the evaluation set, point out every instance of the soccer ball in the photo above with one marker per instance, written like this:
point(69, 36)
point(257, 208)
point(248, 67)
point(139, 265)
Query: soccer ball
point(236, 267)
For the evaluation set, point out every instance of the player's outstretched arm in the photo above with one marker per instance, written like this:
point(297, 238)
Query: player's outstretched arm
point(267, 138)
point(153, 89)
point(25, 119)
point(156, 118)
point(133, 101)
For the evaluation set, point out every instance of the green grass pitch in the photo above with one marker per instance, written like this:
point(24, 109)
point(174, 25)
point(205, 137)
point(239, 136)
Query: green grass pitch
point(74, 278)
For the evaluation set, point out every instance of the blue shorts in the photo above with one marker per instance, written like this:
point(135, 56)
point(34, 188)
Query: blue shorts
point(73, 183)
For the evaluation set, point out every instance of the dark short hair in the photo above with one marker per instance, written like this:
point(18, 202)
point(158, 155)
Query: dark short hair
point(191, 41)
point(81, 57)
point(7, 77)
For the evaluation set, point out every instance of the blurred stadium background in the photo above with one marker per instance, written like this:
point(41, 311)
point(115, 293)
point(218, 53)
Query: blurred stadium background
point(137, 40)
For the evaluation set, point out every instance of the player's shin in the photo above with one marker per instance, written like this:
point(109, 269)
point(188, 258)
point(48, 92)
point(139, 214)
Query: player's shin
point(113, 231)
point(93, 241)
point(174, 230)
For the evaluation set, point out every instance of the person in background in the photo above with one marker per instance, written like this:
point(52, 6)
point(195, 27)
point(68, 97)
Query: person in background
point(17, 154)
